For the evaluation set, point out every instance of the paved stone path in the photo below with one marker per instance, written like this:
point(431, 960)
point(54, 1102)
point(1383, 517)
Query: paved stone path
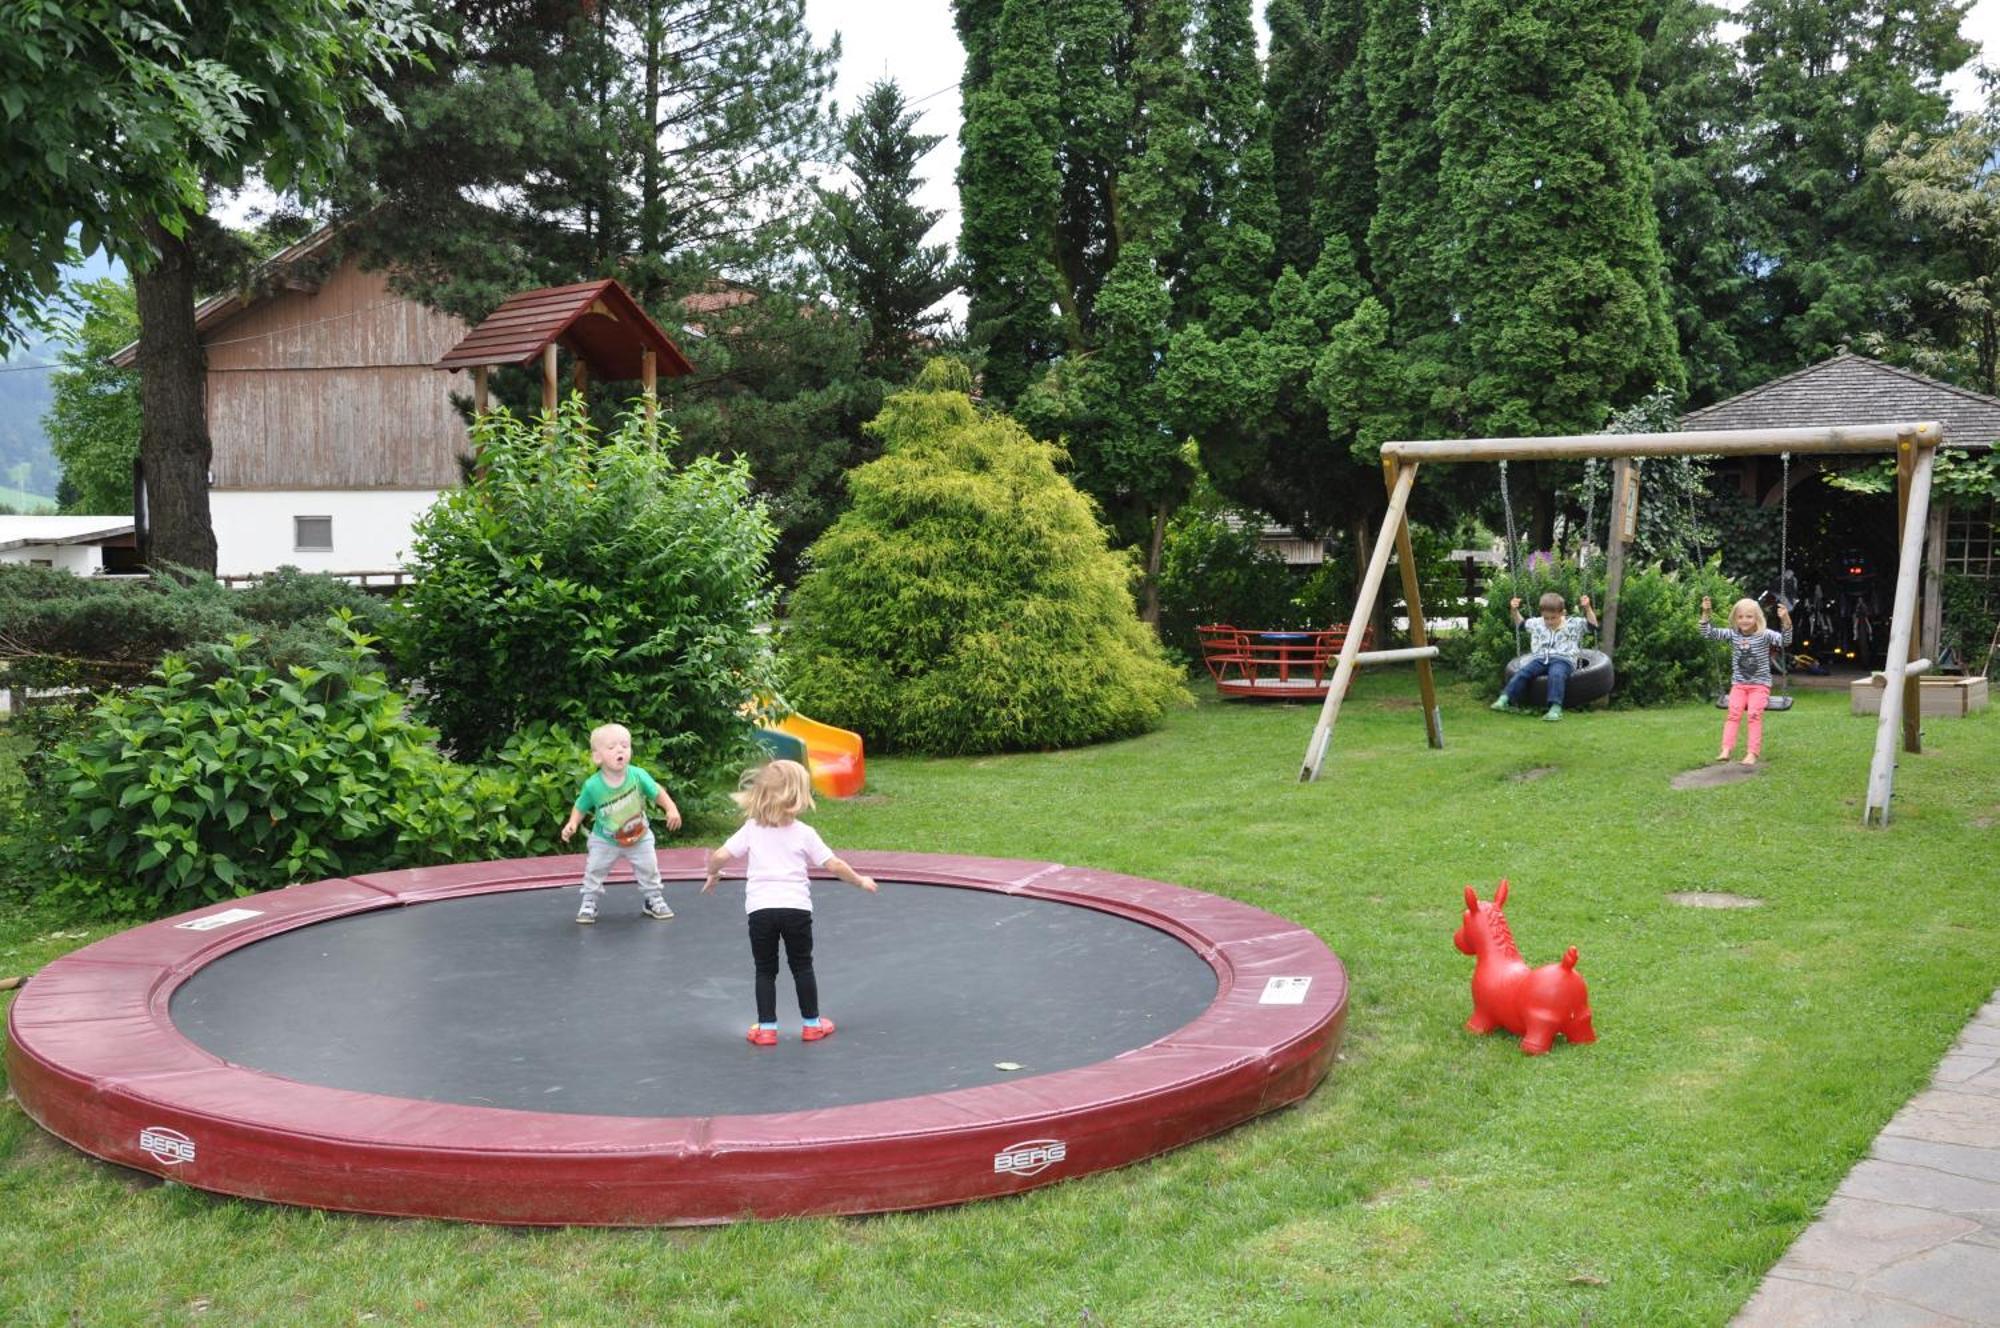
point(1912, 1236)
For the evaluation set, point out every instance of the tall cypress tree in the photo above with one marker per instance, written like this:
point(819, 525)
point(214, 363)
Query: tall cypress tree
point(1555, 264)
point(1297, 84)
point(1699, 101)
point(1010, 188)
point(874, 252)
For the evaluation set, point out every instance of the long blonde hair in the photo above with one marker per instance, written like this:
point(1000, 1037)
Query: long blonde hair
point(1755, 608)
point(775, 793)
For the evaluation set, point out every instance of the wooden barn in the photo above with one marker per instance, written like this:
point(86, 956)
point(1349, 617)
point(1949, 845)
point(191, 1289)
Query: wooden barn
point(332, 430)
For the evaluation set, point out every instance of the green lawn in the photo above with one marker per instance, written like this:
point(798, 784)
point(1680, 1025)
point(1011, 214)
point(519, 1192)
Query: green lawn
point(1745, 1058)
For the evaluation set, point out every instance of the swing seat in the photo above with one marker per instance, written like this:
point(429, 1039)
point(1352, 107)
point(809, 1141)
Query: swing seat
point(1590, 681)
point(1778, 701)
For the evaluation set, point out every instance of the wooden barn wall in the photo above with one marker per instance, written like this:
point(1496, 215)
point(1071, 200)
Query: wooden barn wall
point(333, 389)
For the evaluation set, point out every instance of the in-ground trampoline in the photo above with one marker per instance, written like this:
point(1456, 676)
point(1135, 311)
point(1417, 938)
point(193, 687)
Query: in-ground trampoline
point(446, 1042)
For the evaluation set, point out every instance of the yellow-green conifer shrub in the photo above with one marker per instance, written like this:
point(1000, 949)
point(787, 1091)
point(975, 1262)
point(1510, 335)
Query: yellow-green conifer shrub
point(967, 601)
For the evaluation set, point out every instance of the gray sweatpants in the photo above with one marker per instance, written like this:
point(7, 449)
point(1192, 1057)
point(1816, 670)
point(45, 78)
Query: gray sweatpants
point(604, 855)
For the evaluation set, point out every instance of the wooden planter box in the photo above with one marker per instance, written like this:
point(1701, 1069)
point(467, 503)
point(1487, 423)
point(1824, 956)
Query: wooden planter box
point(1956, 697)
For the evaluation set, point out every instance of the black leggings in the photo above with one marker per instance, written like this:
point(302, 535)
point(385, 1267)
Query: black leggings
point(795, 927)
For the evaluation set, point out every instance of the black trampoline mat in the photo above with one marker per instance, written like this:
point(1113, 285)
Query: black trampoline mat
point(502, 1000)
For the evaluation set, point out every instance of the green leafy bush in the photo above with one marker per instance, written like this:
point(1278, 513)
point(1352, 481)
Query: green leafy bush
point(1661, 657)
point(187, 790)
point(579, 578)
point(967, 602)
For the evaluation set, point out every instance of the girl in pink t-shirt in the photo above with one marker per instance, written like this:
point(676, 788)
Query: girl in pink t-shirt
point(780, 850)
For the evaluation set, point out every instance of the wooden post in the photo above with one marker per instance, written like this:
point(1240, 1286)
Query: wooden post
point(1882, 768)
point(1419, 634)
point(1913, 710)
point(549, 379)
point(649, 383)
point(1624, 525)
point(579, 375)
point(1371, 584)
point(478, 390)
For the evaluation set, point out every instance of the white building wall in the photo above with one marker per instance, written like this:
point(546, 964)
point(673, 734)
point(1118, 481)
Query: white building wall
point(82, 559)
point(255, 528)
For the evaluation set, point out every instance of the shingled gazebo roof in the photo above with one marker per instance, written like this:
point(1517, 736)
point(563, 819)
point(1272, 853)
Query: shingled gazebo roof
point(1853, 389)
point(597, 321)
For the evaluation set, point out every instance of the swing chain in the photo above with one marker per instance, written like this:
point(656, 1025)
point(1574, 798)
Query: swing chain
point(1513, 552)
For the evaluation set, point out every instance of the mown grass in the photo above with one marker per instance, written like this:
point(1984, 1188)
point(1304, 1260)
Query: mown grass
point(1746, 1058)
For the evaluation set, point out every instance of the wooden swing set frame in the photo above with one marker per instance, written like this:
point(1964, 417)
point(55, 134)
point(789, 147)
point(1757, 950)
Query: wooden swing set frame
point(1915, 447)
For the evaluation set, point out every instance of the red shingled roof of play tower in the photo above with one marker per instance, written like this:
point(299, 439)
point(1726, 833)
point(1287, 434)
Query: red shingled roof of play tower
point(597, 321)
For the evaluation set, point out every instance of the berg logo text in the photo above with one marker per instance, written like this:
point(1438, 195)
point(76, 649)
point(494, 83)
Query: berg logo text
point(167, 1147)
point(1030, 1157)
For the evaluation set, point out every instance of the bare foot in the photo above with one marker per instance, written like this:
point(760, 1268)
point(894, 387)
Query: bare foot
point(1722, 756)
point(1751, 759)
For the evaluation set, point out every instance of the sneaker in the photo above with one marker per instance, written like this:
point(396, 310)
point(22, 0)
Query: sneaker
point(586, 912)
point(760, 1036)
point(1503, 704)
point(656, 907)
point(819, 1028)
point(1555, 713)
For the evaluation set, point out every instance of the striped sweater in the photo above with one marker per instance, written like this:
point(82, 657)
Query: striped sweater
point(1749, 655)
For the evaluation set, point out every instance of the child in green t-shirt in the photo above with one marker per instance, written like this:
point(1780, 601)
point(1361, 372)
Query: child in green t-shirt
point(615, 798)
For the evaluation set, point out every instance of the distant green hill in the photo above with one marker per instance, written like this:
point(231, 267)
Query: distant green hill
point(18, 500)
point(26, 463)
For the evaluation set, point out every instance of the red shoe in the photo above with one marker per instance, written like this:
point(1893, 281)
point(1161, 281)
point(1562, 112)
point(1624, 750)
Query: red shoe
point(760, 1036)
point(815, 1031)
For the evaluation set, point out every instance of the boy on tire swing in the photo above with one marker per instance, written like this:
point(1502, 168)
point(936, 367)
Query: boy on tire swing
point(1555, 641)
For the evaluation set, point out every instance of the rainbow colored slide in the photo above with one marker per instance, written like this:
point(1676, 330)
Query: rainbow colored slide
point(833, 756)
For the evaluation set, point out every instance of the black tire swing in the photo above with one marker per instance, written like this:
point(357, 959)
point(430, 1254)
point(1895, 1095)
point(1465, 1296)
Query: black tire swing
point(1593, 676)
point(1779, 700)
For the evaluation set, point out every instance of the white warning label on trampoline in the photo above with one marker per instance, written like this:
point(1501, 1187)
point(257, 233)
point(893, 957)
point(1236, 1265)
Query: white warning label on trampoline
point(222, 919)
point(1285, 991)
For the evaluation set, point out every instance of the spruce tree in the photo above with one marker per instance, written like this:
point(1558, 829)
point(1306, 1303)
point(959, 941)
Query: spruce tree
point(656, 141)
point(874, 255)
point(1837, 261)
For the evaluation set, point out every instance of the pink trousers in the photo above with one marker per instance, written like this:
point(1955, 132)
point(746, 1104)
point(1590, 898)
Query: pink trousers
point(1746, 697)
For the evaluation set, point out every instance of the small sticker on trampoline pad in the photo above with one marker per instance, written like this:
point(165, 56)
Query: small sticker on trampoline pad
point(1285, 991)
point(222, 919)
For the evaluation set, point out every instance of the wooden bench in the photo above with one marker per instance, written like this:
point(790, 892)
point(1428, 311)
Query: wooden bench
point(1273, 665)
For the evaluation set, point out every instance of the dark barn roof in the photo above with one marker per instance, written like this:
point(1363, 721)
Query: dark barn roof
point(1853, 389)
point(597, 321)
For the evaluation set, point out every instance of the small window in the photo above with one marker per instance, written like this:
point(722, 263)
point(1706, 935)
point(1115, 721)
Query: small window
point(312, 534)
point(42, 562)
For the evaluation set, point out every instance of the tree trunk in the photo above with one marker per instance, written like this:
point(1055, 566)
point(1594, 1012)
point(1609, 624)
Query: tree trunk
point(1149, 611)
point(1542, 521)
point(174, 447)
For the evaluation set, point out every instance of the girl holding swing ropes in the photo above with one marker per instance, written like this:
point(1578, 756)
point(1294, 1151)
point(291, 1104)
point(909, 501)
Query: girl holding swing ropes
point(1750, 644)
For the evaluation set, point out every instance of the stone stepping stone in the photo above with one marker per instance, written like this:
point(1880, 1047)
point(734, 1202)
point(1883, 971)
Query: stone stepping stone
point(1713, 899)
point(1715, 775)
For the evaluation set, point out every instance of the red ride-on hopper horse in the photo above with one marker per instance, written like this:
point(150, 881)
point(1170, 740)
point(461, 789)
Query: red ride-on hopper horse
point(1536, 1003)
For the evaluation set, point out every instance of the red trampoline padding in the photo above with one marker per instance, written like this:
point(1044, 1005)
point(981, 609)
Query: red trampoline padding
point(94, 1058)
